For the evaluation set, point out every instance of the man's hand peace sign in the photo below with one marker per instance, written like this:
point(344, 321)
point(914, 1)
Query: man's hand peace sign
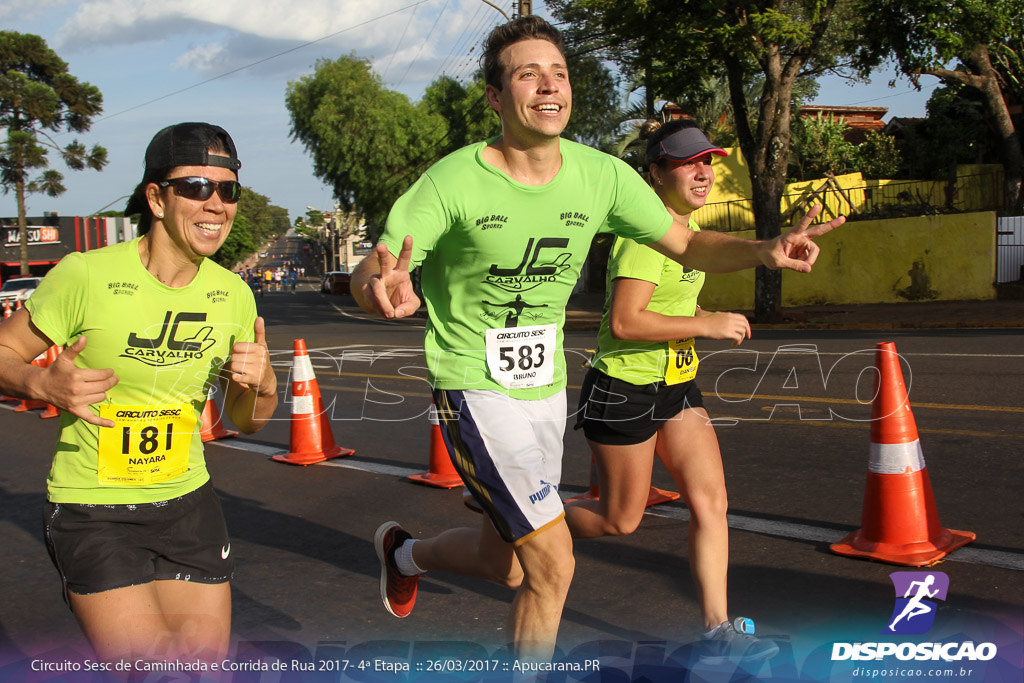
point(389, 291)
point(795, 249)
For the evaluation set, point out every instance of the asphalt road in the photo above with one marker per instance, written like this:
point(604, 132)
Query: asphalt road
point(792, 411)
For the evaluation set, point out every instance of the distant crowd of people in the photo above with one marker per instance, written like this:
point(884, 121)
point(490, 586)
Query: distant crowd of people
point(273, 279)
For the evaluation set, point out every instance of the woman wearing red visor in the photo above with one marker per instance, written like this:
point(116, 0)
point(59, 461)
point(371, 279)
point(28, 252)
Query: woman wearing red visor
point(640, 397)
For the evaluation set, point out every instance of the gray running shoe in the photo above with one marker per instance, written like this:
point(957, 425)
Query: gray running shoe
point(734, 641)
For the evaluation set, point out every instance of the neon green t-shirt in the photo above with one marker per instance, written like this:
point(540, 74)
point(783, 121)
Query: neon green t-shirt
point(500, 259)
point(675, 294)
point(166, 345)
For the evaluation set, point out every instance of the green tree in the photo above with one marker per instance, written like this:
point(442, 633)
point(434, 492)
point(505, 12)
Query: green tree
point(311, 226)
point(820, 147)
point(1008, 61)
point(369, 143)
point(265, 220)
point(982, 36)
point(878, 156)
point(710, 105)
point(239, 245)
point(465, 110)
point(956, 131)
point(669, 47)
point(595, 101)
point(38, 97)
point(256, 221)
point(315, 217)
point(311, 222)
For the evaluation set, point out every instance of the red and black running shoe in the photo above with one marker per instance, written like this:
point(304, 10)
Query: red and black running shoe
point(398, 592)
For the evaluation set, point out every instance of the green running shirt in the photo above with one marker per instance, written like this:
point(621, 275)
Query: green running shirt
point(675, 294)
point(496, 253)
point(165, 344)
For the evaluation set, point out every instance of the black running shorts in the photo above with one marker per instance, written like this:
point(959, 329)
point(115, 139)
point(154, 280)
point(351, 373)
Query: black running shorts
point(102, 547)
point(617, 413)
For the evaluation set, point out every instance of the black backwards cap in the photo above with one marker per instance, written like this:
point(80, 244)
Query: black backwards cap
point(184, 144)
point(682, 145)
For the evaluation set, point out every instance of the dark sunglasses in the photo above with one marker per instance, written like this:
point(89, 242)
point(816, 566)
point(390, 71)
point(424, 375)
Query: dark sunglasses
point(195, 187)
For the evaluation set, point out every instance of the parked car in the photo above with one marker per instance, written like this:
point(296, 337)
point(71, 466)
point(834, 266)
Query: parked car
point(336, 282)
point(18, 289)
point(325, 282)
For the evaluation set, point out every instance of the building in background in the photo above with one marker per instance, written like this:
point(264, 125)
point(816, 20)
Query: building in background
point(862, 120)
point(345, 237)
point(53, 236)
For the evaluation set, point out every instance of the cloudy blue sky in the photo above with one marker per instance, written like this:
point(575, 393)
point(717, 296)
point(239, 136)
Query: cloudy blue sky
point(159, 62)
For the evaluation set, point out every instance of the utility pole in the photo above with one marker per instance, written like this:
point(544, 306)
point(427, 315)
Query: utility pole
point(525, 8)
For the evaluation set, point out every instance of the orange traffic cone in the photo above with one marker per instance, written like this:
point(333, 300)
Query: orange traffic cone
point(24, 404)
point(51, 410)
point(7, 314)
point(900, 523)
point(212, 427)
point(442, 473)
point(654, 497)
point(311, 437)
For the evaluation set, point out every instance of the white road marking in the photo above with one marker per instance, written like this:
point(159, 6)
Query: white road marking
point(806, 532)
point(768, 527)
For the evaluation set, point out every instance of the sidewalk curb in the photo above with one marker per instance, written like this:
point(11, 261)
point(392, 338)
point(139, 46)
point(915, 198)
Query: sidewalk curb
point(589, 321)
point(590, 325)
point(889, 326)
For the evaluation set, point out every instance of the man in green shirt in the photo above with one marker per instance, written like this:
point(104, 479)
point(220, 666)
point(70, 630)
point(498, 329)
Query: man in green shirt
point(501, 229)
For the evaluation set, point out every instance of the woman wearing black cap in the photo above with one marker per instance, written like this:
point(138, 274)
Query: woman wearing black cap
point(131, 520)
point(640, 398)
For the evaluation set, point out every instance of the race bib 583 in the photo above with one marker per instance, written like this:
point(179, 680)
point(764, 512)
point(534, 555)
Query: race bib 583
point(521, 357)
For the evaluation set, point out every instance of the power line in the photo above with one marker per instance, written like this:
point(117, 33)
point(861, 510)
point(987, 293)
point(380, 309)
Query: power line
point(899, 94)
point(258, 62)
point(473, 27)
point(472, 113)
point(461, 71)
point(423, 44)
point(398, 46)
point(452, 55)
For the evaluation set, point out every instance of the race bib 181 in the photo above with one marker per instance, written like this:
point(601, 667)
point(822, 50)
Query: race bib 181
point(147, 444)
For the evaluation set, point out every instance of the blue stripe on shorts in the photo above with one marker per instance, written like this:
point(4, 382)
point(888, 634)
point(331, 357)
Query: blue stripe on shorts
point(473, 463)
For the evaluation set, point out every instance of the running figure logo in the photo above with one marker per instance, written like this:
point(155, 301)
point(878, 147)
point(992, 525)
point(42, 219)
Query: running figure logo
point(516, 308)
point(914, 611)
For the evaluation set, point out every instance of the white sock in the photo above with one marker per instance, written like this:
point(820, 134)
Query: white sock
point(403, 559)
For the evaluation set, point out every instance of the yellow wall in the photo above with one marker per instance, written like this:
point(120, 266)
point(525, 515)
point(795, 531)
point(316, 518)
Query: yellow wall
point(929, 258)
point(732, 176)
point(801, 194)
point(978, 187)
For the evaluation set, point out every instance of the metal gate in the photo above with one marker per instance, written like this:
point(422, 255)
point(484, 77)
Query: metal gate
point(1009, 249)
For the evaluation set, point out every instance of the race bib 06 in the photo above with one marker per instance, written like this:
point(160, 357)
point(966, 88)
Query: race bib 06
point(682, 362)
